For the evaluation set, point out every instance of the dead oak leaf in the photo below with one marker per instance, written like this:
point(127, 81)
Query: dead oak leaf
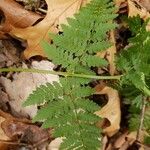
point(15, 16)
point(57, 13)
point(118, 2)
point(136, 8)
point(111, 110)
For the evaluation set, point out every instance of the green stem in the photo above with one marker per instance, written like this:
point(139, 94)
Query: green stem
point(65, 74)
point(146, 91)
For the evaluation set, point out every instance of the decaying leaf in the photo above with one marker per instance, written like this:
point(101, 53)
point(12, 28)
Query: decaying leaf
point(14, 129)
point(120, 140)
point(57, 13)
point(135, 8)
point(15, 16)
point(24, 84)
point(3, 136)
point(104, 142)
point(145, 3)
point(22, 131)
point(111, 110)
point(110, 54)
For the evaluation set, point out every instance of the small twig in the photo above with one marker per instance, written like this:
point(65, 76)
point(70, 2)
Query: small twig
point(141, 119)
point(42, 10)
point(142, 145)
point(41, 142)
point(14, 143)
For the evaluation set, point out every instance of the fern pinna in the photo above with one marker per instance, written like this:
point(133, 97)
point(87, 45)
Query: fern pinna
point(67, 108)
point(134, 62)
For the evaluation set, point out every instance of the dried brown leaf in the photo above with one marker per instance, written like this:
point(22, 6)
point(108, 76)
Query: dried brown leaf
point(135, 8)
point(15, 16)
point(3, 136)
point(15, 129)
point(145, 3)
point(111, 110)
point(120, 140)
point(57, 13)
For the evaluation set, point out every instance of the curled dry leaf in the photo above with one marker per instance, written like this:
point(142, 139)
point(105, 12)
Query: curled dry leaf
point(15, 16)
point(14, 128)
point(111, 110)
point(57, 13)
point(22, 130)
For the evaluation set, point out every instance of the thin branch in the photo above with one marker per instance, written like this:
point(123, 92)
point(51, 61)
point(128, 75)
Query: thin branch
point(139, 132)
point(42, 10)
point(14, 143)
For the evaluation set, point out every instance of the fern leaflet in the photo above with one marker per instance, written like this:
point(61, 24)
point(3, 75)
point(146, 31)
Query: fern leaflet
point(85, 35)
point(69, 112)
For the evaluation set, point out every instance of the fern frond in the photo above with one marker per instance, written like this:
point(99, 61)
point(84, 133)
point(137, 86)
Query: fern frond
point(67, 108)
point(69, 112)
point(134, 61)
point(134, 119)
point(42, 92)
point(83, 37)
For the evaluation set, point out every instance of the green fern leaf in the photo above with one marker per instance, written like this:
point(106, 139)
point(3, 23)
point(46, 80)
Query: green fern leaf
point(66, 107)
point(134, 61)
point(70, 113)
point(83, 37)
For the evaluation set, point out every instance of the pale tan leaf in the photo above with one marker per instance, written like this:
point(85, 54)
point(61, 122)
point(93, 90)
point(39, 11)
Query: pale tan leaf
point(118, 2)
point(111, 110)
point(28, 82)
point(57, 13)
